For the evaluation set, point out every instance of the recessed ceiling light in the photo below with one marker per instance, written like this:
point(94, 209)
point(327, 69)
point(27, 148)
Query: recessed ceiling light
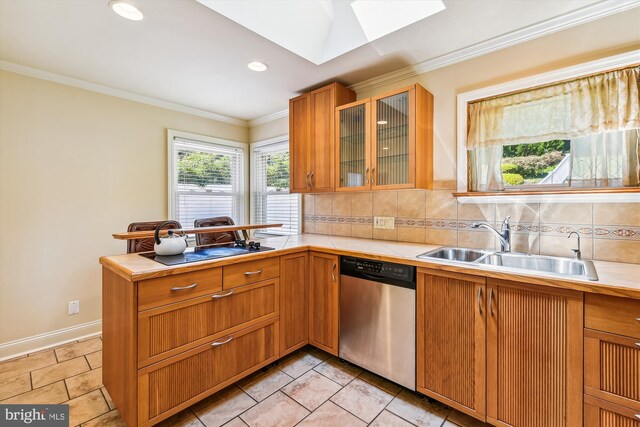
point(126, 10)
point(382, 122)
point(257, 66)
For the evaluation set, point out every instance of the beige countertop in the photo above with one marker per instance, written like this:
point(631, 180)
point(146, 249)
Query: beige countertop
point(615, 278)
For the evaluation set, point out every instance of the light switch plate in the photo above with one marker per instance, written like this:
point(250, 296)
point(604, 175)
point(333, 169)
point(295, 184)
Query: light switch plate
point(384, 222)
point(74, 307)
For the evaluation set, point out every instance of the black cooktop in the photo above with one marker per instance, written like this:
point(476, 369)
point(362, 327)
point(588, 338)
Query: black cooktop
point(203, 254)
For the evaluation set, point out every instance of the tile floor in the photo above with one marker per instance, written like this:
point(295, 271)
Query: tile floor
point(308, 388)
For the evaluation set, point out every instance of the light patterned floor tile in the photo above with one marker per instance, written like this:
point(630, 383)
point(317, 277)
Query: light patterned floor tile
point(223, 406)
point(110, 419)
point(278, 410)
point(185, 418)
point(330, 414)
point(387, 419)
point(60, 371)
point(236, 422)
point(94, 359)
point(311, 390)
point(78, 349)
point(464, 420)
point(418, 411)
point(11, 368)
point(386, 385)
point(322, 355)
point(84, 383)
point(87, 407)
point(263, 384)
point(299, 363)
point(362, 399)
point(53, 393)
point(340, 372)
point(15, 385)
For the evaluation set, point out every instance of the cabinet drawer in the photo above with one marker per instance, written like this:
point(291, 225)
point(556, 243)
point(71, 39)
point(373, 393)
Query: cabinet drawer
point(612, 368)
point(166, 290)
point(168, 330)
point(173, 384)
point(600, 413)
point(612, 314)
point(250, 272)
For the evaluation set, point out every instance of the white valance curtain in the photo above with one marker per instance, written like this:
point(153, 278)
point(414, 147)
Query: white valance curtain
point(600, 114)
point(593, 104)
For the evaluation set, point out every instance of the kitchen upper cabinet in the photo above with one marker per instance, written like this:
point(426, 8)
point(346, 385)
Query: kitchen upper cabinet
point(294, 302)
point(451, 337)
point(386, 142)
point(311, 138)
point(324, 297)
point(534, 355)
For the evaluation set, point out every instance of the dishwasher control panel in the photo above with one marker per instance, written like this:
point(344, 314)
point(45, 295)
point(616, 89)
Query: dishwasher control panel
point(377, 269)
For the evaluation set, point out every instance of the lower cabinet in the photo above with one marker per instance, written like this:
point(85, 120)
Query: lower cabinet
point(451, 337)
point(534, 355)
point(324, 295)
point(177, 382)
point(601, 413)
point(294, 302)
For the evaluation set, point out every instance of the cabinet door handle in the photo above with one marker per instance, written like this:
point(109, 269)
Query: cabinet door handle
point(480, 300)
point(222, 295)
point(638, 344)
point(373, 176)
point(638, 319)
point(217, 343)
point(366, 176)
point(311, 179)
point(250, 273)
point(184, 288)
point(491, 301)
point(307, 180)
point(638, 416)
point(333, 271)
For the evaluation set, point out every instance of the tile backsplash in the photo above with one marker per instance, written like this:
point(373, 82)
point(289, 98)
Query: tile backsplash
point(608, 231)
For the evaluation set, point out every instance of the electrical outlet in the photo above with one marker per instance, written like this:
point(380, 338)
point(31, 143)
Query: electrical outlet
point(74, 307)
point(384, 222)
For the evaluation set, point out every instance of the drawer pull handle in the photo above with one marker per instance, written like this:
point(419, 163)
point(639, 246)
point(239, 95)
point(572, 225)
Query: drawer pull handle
point(222, 295)
point(638, 416)
point(638, 344)
point(638, 319)
point(250, 273)
point(184, 288)
point(217, 343)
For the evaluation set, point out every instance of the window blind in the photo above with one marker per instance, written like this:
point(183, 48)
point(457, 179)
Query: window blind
point(271, 201)
point(207, 181)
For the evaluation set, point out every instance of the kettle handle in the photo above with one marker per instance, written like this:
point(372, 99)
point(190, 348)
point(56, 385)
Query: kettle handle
point(156, 235)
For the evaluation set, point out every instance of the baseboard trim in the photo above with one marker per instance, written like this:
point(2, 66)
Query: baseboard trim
point(22, 346)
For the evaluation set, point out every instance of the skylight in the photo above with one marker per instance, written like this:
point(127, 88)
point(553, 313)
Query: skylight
point(321, 30)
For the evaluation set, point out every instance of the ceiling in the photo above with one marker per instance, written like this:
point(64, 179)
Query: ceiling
point(187, 54)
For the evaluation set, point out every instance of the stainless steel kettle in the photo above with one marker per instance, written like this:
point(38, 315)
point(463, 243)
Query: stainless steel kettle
point(171, 244)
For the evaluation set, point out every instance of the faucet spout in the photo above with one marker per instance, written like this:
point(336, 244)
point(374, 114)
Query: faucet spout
point(504, 235)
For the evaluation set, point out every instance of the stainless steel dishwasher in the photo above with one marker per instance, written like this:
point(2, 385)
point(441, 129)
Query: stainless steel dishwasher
point(378, 318)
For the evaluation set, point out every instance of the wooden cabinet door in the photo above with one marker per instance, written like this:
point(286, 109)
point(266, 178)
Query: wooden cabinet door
point(601, 413)
point(451, 337)
point(299, 144)
point(324, 297)
point(534, 355)
point(353, 146)
point(294, 302)
point(322, 146)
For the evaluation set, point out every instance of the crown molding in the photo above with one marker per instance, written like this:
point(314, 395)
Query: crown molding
point(106, 90)
point(269, 118)
point(540, 29)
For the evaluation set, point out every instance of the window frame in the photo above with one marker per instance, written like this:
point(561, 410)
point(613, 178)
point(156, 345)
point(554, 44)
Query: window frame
point(205, 140)
point(253, 185)
point(563, 74)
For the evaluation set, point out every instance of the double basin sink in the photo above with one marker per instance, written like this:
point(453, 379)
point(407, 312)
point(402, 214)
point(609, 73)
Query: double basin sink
point(563, 267)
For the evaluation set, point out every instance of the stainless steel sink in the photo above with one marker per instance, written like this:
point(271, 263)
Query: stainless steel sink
point(455, 254)
point(508, 260)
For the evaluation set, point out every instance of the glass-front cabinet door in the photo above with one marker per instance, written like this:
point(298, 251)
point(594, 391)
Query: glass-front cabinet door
point(353, 146)
point(393, 144)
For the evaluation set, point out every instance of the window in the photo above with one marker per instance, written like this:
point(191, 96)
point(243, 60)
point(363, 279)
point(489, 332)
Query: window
point(206, 178)
point(270, 198)
point(577, 132)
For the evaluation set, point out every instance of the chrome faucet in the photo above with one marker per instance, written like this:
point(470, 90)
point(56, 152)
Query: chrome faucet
point(504, 235)
point(577, 254)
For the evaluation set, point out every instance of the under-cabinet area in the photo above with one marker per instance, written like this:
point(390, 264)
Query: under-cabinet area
point(505, 350)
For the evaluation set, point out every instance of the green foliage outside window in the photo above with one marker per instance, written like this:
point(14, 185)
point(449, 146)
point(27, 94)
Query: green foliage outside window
point(203, 169)
point(278, 171)
point(530, 163)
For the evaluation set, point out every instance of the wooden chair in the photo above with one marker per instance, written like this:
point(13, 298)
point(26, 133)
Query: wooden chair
point(205, 239)
point(146, 244)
